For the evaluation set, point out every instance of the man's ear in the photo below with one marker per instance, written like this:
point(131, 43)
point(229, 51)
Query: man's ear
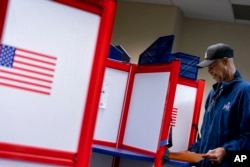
point(225, 60)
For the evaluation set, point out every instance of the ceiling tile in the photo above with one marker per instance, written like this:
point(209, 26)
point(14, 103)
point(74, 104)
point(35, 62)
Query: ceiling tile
point(221, 10)
point(209, 9)
point(160, 2)
point(241, 2)
point(241, 12)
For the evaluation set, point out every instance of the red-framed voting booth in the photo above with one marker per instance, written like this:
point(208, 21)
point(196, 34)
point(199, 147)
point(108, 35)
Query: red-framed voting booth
point(186, 113)
point(52, 63)
point(138, 106)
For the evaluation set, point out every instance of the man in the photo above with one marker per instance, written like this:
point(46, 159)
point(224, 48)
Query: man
point(226, 123)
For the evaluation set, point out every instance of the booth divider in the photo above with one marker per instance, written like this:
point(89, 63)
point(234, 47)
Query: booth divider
point(56, 128)
point(150, 95)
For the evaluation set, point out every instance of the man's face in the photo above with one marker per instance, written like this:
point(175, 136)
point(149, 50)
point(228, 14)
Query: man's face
point(218, 70)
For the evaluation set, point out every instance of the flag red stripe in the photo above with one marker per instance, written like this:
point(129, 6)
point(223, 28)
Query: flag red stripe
point(25, 82)
point(32, 65)
point(32, 71)
point(173, 117)
point(34, 59)
point(25, 88)
point(25, 76)
point(35, 53)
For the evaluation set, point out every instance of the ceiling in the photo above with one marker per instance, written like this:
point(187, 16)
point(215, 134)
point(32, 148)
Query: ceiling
point(233, 11)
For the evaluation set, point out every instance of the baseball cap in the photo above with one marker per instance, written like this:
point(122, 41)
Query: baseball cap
point(214, 52)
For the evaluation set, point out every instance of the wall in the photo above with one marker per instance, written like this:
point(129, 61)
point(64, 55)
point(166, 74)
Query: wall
point(137, 25)
point(199, 34)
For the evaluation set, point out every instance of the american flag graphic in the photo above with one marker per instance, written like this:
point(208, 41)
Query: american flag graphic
point(173, 117)
point(26, 70)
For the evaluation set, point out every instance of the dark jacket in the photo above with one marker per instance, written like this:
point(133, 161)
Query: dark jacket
point(226, 121)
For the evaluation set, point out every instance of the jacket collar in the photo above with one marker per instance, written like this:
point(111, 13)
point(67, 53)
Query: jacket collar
point(225, 84)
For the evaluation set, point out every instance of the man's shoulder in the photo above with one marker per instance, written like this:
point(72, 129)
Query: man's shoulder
point(244, 83)
point(242, 87)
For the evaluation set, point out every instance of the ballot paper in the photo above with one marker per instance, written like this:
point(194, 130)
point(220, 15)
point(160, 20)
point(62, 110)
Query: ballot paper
point(186, 156)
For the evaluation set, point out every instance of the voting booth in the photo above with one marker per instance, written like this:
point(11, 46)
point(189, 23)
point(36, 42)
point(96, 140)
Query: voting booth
point(138, 106)
point(186, 113)
point(52, 62)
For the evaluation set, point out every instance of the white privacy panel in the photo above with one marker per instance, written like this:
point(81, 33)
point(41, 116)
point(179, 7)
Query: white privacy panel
point(111, 103)
point(28, 116)
point(14, 163)
point(146, 110)
point(184, 103)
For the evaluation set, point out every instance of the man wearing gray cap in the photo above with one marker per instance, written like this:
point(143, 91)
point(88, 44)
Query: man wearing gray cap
point(226, 123)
